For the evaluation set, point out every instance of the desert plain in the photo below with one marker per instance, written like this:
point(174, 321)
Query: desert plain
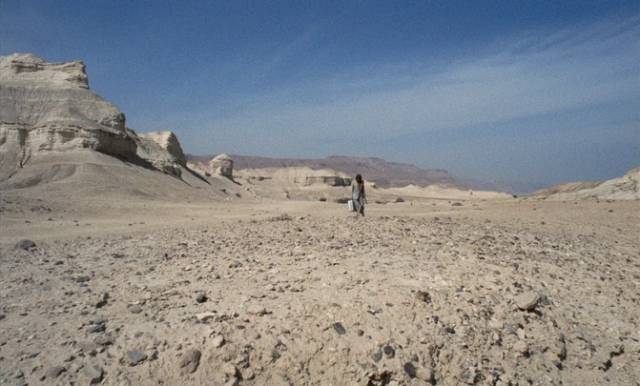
point(304, 293)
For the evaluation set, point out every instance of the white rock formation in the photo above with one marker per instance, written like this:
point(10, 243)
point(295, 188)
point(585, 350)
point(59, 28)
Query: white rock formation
point(221, 165)
point(49, 107)
point(168, 141)
point(162, 149)
point(54, 107)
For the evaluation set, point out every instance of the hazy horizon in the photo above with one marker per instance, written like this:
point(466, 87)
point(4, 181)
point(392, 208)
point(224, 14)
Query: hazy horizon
point(526, 95)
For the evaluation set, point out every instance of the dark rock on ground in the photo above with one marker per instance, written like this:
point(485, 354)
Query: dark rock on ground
point(135, 357)
point(201, 298)
point(339, 328)
point(102, 300)
point(410, 369)
point(25, 245)
point(389, 351)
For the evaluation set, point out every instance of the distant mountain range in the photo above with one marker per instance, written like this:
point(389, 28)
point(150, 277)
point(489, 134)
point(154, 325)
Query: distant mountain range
point(384, 173)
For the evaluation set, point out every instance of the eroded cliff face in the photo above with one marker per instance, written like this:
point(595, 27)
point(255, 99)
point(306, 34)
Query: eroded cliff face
point(49, 107)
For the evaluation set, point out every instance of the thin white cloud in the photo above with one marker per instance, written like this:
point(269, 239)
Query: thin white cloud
point(522, 77)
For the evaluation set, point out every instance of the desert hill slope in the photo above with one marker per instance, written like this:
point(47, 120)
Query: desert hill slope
point(626, 187)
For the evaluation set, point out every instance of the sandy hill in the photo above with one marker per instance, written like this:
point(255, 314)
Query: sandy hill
point(626, 187)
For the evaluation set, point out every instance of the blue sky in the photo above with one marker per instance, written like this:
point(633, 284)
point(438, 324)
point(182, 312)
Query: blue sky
point(527, 93)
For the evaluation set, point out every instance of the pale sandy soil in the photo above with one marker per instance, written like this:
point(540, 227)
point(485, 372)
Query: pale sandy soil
point(301, 293)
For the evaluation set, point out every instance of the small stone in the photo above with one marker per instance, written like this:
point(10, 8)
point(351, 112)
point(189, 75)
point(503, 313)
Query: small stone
point(89, 348)
point(135, 309)
point(410, 369)
point(217, 341)
point(257, 310)
point(190, 361)
point(104, 340)
point(205, 316)
point(102, 300)
point(527, 301)
point(201, 298)
point(376, 356)
point(93, 373)
point(389, 351)
point(423, 296)
point(424, 374)
point(135, 357)
point(81, 279)
point(25, 245)
point(54, 372)
point(470, 376)
point(248, 374)
point(96, 328)
point(230, 370)
point(521, 347)
point(339, 328)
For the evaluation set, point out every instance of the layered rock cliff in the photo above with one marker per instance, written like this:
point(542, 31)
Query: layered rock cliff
point(49, 107)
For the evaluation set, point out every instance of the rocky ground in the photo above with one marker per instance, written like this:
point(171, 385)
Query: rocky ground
point(488, 294)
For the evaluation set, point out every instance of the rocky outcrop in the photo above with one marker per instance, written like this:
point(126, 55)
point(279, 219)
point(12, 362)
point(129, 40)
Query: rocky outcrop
point(48, 106)
point(162, 149)
point(168, 141)
point(221, 165)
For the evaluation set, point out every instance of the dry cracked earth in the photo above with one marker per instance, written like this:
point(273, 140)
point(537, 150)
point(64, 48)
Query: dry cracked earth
point(306, 299)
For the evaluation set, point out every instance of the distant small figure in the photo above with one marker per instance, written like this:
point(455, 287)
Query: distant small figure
point(358, 195)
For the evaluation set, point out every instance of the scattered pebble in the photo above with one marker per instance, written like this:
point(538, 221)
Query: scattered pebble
point(25, 245)
point(201, 298)
point(135, 357)
point(527, 301)
point(339, 328)
point(93, 373)
point(389, 351)
point(54, 372)
point(190, 361)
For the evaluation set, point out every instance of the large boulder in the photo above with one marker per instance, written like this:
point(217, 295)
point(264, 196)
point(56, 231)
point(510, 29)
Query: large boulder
point(48, 106)
point(162, 149)
point(168, 141)
point(221, 165)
